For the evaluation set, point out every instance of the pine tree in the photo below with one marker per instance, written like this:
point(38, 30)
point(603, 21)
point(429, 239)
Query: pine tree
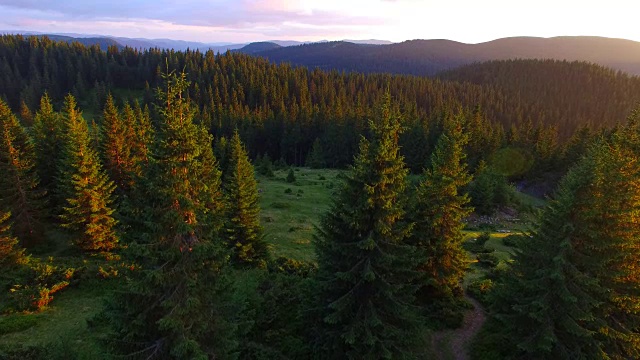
point(86, 188)
point(175, 304)
point(364, 263)
point(19, 191)
point(47, 136)
point(9, 253)
point(439, 207)
point(242, 229)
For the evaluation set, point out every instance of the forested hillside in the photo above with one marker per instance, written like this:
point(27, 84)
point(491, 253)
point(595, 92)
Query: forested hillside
point(281, 111)
point(428, 57)
point(565, 90)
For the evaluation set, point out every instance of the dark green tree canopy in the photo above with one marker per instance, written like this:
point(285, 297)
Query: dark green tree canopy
point(365, 267)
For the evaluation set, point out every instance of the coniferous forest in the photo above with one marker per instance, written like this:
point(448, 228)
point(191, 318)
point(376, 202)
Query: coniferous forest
point(159, 204)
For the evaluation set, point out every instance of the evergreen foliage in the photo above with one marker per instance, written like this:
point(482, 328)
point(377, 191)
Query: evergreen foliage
point(10, 254)
point(117, 141)
point(264, 166)
point(489, 190)
point(439, 207)
point(291, 176)
point(576, 279)
point(86, 188)
point(20, 194)
point(25, 114)
point(141, 135)
point(48, 137)
point(176, 301)
point(606, 242)
point(551, 315)
point(221, 150)
point(316, 159)
point(282, 110)
point(242, 228)
point(365, 267)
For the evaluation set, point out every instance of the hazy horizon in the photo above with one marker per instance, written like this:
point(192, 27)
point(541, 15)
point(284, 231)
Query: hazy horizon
point(225, 21)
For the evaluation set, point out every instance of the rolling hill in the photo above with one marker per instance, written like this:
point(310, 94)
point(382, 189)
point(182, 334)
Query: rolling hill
point(429, 57)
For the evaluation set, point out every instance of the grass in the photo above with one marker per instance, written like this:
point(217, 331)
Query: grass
point(529, 200)
point(62, 327)
point(289, 217)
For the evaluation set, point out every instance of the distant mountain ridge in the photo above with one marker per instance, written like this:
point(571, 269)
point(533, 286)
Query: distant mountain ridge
point(429, 57)
point(414, 57)
point(180, 45)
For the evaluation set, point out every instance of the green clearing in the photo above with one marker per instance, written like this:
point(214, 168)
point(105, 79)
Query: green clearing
point(289, 217)
point(61, 330)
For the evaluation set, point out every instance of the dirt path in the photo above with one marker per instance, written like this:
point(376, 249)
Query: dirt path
point(455, 342)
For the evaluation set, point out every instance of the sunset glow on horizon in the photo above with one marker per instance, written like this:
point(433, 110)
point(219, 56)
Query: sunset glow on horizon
point(305, 20)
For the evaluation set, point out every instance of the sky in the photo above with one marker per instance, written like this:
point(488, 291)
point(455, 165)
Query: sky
point(237, 21)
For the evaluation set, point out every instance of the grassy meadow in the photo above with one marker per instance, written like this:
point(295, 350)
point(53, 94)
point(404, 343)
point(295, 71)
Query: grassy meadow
point(290, 211)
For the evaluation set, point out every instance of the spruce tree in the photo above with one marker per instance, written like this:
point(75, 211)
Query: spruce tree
point(143, 134)
point(365, 267)
point(315, 159)
point(482, 190)
point(10, 254)
point(545, 303)
point(19, 191)
point(87, 190)
point(607, 239)
point(264, 166)
point(242, 228)
point(117, 144)
point(576, 282)
point(437, 211)
point(25, 114)
point(48, 137)
point(175, 303)
point(221, 150)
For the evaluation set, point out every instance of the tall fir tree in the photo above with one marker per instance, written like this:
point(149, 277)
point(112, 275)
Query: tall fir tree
point(438, 209)
point(242, 228)
point(19, 191)
point(48, 137)
point(175, 304)
point(87, 190)
point(365, 267)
